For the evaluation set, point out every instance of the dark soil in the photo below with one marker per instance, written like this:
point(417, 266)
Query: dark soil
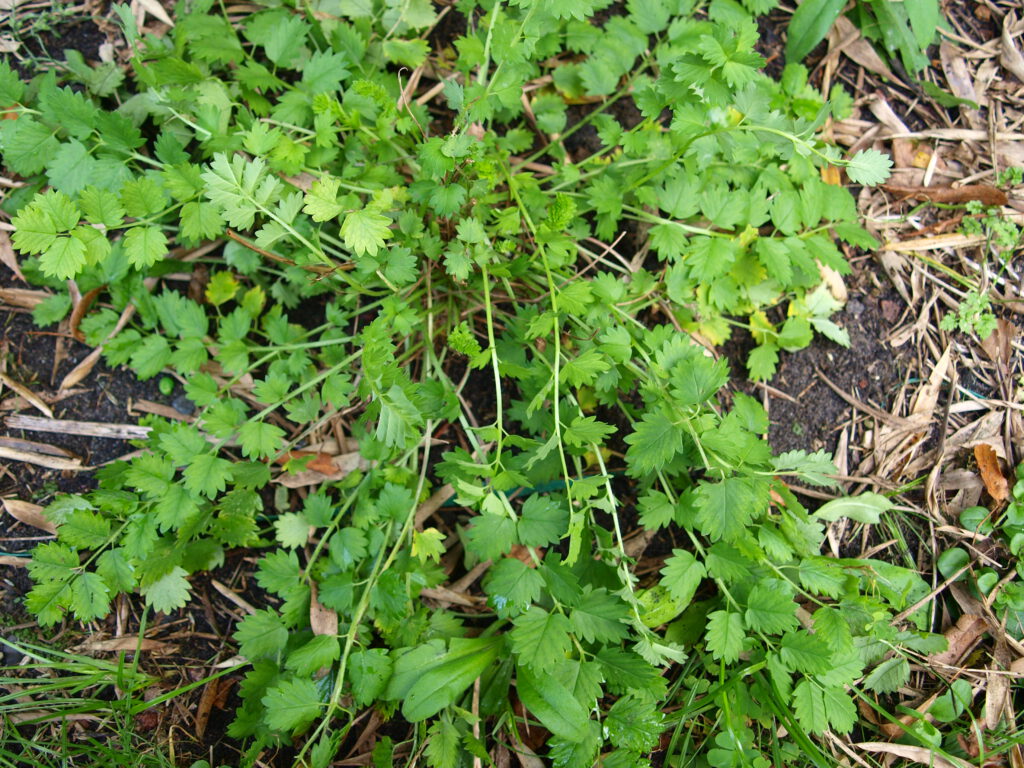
point(48, 35)
point(869, 370)
point(107, 397)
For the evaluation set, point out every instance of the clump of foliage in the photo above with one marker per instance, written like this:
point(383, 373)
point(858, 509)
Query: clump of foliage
point(1002, 587)
point(903, 30)
point(974, 312)
point(443, 249)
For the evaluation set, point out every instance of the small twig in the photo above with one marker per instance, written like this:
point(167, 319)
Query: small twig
point(431, 505)
point(318, 268)
point(42, 460)
point(28, 394)
point(84, 428)
point(234, 598)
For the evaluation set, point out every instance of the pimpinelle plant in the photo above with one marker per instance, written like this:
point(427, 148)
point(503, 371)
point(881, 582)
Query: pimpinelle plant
point(479, 336)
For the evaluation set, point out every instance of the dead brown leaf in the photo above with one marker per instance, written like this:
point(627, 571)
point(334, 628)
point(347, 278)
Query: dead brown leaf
point(998, 345)
point(238, 600)
point(447, 595)
point(988, 464)
point(84, 368)
point(960, 639)
point(8, 257)
point(432, 504)
point(928, 396)
point(42, 460)
point(523, 554)
point(981, 192)
point(23, 298)
point(323, 462)
point(215, 695)
point(29, 514)
point(128, 644)
point(951, 240)
point(79, 310)
point(197, 284)
point(958, 75)
point(997, 690)
point(830, 175)
point(896, 730)
point(914, 754)
point(153, 8)
point(80, 371)
point(858, 49)
point(1010, 55)
point(36, 401)
point(323, 620)
point(339, 466)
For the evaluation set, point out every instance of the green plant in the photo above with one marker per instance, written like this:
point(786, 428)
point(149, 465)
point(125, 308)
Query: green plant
point(1000, 584)
point(456, 287)
point(905, 29)
point(974, 313)
point(1002, 233)
point(41, 700)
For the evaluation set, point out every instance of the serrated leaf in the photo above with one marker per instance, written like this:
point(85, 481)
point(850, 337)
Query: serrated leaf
point(151, 356)
point(369, 672)
point(84, 530)
point(868, 167)
point(513, 586)
point(71, 168)
point(90, 597)
point(634, 723)
point(292, 530)
point(321, 651)
point(682, 575)
point(491, 536)
point(207, 475)
point(542, 521)
point(540, 639)
point(321, 201)
point(889, 676)
point(814, 467)
point(654, 442)
point(586, 430)
point(279, 572)
point(291, 705)
point(261, 634)
point(48, 600)
point(809, 707)
point(64, 258)
point(201, 221)
point(30, 145)
point(725, 635)
point(116, 570)
point(803, 652)
point(770, 608)
point(364, 231)
point(443, 749)
point(100, 206)
point(169, 592)
point(260, 439)
point(145, 246)
point(600, 617)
